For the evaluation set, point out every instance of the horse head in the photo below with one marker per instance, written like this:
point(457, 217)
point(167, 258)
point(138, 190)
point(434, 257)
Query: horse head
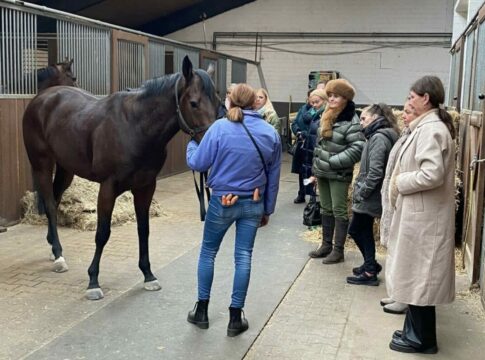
point(55, 75)
point(65, 74)
point(197, 108)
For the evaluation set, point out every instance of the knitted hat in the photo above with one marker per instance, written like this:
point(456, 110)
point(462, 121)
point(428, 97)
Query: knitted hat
point(340, 87)
point(320, 93)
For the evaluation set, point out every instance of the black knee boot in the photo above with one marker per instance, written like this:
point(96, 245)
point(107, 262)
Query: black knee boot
point(237, 324)
point(328, 225)
point(198, 316)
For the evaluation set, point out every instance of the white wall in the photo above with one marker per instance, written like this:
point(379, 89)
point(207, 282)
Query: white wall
point(382, 74)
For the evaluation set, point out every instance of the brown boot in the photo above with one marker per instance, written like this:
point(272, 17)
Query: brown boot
point(337, 254)
point(328, 225)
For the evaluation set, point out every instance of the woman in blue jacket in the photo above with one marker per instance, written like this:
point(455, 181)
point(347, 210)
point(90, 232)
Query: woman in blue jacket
point(318, 99)
point(245, 197)
point(299, 128)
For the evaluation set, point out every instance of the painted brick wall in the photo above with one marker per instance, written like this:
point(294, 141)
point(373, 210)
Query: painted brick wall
point(378, 73)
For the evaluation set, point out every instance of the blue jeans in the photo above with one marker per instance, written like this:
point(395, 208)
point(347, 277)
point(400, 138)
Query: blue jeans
point(247, 214)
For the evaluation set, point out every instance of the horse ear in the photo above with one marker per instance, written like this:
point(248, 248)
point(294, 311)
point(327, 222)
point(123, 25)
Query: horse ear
point(211, 70)
point(187, 69)
point(67, 64)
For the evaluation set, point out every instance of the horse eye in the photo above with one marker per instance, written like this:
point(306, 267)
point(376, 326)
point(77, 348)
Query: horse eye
point(194, 104)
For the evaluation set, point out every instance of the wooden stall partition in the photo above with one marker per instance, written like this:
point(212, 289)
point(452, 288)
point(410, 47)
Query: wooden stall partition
point(473, 187)
point(15, 173)
point(176, 150)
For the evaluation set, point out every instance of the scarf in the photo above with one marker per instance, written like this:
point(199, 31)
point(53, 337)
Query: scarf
point(328, 118)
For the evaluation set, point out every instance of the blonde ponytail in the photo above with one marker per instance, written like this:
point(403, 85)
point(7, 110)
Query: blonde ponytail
point(235, 114)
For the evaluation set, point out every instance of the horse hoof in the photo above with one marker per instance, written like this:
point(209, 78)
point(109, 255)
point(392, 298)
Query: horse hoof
point(94, 294)
point(60, 265)
point(153, 285)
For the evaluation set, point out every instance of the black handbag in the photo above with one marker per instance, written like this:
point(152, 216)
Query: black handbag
point(292, 148)
point(295, 147)
point(312, 215)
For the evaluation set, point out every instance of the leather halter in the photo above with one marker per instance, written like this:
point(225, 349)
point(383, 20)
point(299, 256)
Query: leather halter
point(184, 126)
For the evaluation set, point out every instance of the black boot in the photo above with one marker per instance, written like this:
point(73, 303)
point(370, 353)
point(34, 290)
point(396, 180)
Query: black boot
point(328, 225)
point(337, 254)
point(198, 316)
point(301, 190)
point(237, 324)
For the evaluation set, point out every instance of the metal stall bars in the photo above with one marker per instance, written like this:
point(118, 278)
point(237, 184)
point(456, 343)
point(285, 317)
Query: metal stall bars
point(156, 59)
point(178, 56)
point(18, 45)
point(129, 62)
point(89, 46)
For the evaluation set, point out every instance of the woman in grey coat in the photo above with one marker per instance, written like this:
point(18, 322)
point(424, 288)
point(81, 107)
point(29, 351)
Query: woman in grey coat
point(381, 131)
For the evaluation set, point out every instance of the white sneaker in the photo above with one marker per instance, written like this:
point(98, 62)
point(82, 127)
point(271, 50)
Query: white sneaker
point(395, 308)
point(386, 301)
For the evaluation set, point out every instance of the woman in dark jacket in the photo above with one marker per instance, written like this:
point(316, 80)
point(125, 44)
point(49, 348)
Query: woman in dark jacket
point(380, 129)
point(338, 148)
point(299, 128)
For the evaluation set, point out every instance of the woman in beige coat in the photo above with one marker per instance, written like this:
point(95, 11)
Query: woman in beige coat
point(421, 271)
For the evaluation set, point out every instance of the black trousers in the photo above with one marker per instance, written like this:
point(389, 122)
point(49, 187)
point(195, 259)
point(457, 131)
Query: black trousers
point(420, 326)
point(361, 229)
point(301, 187)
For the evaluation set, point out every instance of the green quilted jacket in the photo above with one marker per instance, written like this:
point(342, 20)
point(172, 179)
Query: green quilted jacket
point(335, 158)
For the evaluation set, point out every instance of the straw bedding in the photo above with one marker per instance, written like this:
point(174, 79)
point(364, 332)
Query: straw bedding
point(78, 207)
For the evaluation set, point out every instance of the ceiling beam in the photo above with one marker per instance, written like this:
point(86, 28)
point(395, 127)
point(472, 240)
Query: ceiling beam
point(189, 16)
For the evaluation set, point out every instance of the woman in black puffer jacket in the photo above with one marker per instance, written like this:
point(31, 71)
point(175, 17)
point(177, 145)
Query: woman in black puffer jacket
point(380, 128)
point(338, 148)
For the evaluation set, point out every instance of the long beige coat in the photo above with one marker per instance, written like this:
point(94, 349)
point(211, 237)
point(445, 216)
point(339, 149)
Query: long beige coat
point(420, 269)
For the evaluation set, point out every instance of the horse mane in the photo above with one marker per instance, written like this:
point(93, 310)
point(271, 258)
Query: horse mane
point(163, 84)
point(46, 73)
point(159, 85)
point(207, 84)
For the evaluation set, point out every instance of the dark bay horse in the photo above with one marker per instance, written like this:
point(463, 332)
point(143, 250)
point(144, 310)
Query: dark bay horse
point(118, 141)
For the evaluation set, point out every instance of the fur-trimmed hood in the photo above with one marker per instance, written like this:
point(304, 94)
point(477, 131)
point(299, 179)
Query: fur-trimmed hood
point(331, 116)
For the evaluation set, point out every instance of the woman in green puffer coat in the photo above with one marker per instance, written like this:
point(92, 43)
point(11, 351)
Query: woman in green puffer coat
point(338, 148)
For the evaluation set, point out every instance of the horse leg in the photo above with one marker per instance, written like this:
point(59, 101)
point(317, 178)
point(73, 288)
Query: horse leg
point(43, 174)
point(62, 180)
point(142, 199)
point(106, 201)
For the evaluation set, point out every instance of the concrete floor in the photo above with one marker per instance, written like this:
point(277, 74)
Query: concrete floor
point(297, 309)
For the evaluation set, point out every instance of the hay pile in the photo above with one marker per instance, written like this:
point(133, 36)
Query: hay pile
point(78, 207)
point(314, 235)
point(473, 301)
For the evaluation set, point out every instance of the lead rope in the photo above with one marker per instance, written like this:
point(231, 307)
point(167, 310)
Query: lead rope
point(200, 193)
